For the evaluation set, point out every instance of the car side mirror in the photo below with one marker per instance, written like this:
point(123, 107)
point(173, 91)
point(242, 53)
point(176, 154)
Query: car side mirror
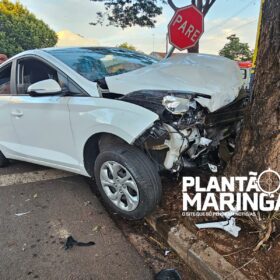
point(48, 87)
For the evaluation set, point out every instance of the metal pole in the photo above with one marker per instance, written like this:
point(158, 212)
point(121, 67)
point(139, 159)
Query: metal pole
point(170, 52)
point(172, 49)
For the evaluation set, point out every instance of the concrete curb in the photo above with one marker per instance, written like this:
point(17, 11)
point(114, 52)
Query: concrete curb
point(202, 259)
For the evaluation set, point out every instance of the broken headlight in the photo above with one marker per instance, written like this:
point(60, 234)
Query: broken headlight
point(177, 105)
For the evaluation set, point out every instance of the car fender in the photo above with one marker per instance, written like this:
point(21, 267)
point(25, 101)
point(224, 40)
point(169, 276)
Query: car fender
point(90, 116)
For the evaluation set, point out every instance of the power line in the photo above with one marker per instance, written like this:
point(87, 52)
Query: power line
point(245, 24)
point(234, 15)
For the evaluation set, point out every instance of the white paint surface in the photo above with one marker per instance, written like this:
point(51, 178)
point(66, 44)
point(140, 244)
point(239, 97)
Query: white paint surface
point(208, 74)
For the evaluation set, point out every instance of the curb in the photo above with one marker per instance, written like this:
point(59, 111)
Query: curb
point(205, 262)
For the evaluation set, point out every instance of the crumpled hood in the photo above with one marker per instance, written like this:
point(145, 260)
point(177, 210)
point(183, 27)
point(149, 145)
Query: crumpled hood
point(216, 76)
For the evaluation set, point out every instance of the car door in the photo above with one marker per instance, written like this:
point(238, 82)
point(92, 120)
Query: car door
point(8, 138)
point(42, 123)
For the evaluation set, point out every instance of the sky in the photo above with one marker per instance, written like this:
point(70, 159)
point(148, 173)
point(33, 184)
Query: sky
point(226, 17)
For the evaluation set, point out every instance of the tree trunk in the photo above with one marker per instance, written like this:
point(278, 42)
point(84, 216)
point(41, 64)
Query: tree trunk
point(258, 147)
point(194, 49)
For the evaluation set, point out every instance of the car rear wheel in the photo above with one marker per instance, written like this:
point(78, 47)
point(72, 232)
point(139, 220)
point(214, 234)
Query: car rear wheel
point(3, 161)
point(127, 181)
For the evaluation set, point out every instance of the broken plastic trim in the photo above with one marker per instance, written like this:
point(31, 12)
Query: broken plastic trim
point(176, 93)
point(71, 242)
point(152, 99)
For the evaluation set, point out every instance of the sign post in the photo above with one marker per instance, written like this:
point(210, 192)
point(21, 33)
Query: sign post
point(185, 28)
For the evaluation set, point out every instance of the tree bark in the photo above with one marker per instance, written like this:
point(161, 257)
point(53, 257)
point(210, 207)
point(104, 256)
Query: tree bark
point(194, 49)
point(258, 147)
point(204, 9)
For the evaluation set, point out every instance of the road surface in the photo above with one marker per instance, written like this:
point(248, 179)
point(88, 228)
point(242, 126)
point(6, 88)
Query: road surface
point(39, 209)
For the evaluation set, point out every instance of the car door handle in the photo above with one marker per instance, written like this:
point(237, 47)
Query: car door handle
point(17, 113)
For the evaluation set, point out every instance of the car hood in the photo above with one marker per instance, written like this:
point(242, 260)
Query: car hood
point(216, 76)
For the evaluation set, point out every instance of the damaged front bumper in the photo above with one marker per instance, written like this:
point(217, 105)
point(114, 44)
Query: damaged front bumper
point(189, 137)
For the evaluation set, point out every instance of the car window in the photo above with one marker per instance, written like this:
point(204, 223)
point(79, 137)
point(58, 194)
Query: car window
point(31, 71)
point(5, 80)
point(67, 85)
point(97, 63)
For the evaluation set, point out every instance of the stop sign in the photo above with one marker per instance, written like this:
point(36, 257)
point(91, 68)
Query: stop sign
point(186, 27)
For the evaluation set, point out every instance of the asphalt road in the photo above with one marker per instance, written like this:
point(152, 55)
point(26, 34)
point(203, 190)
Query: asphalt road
point(39, 209)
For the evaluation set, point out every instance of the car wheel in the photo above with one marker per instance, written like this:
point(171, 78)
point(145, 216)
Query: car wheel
point(127, 181)
point(3, 161)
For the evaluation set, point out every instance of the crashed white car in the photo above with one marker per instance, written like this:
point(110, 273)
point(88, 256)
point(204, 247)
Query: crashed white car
point(120, 117)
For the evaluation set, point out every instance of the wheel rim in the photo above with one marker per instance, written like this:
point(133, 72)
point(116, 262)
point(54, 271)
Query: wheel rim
point(119, 186)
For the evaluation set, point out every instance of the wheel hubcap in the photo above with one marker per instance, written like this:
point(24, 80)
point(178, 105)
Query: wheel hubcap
point(119, 186)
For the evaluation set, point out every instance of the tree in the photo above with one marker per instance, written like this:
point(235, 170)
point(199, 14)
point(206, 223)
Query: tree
point(20, 30)
point(236, 50)
point(127, 46)
point(127, 13)
point(258, 148)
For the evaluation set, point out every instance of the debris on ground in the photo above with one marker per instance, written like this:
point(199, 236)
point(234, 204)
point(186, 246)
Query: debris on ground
point(167, 252)
point(24, 247)
point(71, 242)
point(229, 226)
point(87, 203)
point(168, 274)
point(22, 214)
point(157, 242)
point(97, 228)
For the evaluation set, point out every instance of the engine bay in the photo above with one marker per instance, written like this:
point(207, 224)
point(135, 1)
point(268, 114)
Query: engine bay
point(187, 134)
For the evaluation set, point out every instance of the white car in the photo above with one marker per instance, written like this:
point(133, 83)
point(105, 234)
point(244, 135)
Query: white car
point(120, 117)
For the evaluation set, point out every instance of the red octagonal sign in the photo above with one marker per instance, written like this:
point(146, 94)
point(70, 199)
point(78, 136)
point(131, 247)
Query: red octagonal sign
point(186, 27)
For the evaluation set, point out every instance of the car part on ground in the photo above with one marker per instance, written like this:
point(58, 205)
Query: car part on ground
point(229, 225)
point(71, 242)
point(127, 181)
point(168, 274)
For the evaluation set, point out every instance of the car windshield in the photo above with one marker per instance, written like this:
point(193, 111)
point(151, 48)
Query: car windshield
point(97, 63)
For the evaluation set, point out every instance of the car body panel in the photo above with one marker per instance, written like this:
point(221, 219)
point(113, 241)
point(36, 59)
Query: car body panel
point(207, 74)
point(8, 137)
point(91, 116)
point(44, 131)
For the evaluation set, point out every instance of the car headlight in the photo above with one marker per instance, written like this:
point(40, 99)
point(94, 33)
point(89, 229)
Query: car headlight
point(177, 105)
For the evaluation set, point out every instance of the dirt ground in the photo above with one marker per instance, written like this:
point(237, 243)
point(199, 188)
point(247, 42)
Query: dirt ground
point(259, 265)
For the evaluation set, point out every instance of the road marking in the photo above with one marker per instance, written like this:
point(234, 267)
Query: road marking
point(31, 177)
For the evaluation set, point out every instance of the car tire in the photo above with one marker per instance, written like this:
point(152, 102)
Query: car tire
point(141, 193)
point(3, 160)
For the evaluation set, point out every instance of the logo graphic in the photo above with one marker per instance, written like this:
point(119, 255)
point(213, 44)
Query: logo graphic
point(256, 192)
point(269, 181)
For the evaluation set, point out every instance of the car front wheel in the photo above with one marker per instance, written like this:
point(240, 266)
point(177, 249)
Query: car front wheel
point(127, 181)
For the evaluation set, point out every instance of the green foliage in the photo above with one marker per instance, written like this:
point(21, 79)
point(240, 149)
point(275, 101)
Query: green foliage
point(127, 13)
point(127, 46)
point(20, 30)
point(236, 50)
